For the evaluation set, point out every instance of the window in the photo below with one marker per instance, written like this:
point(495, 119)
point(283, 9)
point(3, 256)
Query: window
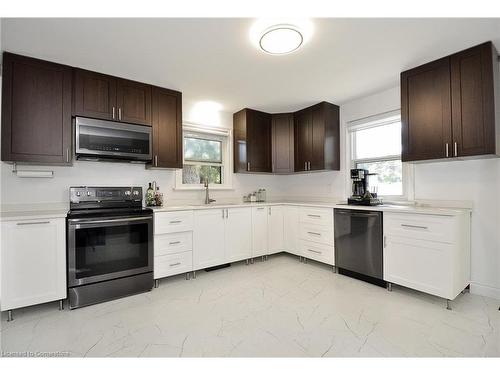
point(376, 146)
point(206, 157)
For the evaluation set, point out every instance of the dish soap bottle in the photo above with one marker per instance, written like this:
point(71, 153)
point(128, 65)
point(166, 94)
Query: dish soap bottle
point(150, 196)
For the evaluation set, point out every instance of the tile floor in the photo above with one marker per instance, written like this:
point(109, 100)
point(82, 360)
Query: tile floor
point(278, 308)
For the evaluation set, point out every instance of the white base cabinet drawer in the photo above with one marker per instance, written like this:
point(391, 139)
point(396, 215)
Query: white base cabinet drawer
point(320, 252)
point(171, 243)
point(421, 227)
point(315, 215)
point(173, 264)
point(317, 233)
point(171, 222)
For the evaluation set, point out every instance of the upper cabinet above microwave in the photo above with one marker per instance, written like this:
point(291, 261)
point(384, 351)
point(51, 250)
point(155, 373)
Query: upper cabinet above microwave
point(448, 106)
point(109, 98)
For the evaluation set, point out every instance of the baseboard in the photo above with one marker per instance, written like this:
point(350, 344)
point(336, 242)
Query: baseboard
point(484, 290)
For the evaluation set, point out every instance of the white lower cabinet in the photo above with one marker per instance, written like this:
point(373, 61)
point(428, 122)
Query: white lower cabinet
point(260, 229)
point(209, 238)
point(429, 253)
point(238, 236)
point(33, 262)
point(291, 230)
point(173, 264)
point(316, 234)
point(276, 239)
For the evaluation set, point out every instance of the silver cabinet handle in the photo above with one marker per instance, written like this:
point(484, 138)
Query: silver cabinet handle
point(447, 151)
point(175, 264)
point(269, 210)
point(260, 208)
point(308, 165)
point(176, 221)
point(311, 215)
point(305, 165)
point(248, 166)
point(227, 213)
point(34, 223)
point(67, 155)
point(413, 226)
point(456, 149)
point(223, 213)
point(314, 251)
point(174, 243)
point(120, 113)
point(156, 160)
point(315, 233)
point(113, 112)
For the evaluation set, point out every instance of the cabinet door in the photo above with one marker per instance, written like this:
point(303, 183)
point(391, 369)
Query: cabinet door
point(318, 139)
point(259, 231)
point(426, 111)
point(33, 262)
point(472, 93)
point(258, 141)
point(276, 238)
point(282, 143)
point(133, 100)
point(208, 238)
point(36, 111)
point(238, 234)
point(418, 264)
point(167, 128)
point(94, 95)
point(303, 139)
point(291, 229)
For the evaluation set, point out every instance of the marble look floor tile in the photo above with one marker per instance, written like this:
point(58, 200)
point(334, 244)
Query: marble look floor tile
point(274, 308)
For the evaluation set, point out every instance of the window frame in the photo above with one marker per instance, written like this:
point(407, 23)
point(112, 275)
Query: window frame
point(381, 119)
point(211, 133)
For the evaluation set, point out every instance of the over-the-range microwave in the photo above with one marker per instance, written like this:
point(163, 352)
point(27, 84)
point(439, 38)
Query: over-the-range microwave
point(110, 140)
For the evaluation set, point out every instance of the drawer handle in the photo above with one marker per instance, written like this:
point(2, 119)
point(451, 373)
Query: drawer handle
point(174, 243)
point(176, 221)
point(310, 215)
point(260, 208)
point(315, 233)
point(34, 223)
point(314, 251)
point(175, 264)
point(413, 226)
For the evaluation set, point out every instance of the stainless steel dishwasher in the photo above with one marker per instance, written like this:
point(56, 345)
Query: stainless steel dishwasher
point(359, 244)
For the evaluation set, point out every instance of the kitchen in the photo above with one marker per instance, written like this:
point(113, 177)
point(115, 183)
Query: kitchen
point(429, 253)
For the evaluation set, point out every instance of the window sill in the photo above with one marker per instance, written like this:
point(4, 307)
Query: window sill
point(201, 187)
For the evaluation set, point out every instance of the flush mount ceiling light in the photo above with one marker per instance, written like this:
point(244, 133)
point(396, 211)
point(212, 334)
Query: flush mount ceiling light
point(279, 36)
point(281, 39)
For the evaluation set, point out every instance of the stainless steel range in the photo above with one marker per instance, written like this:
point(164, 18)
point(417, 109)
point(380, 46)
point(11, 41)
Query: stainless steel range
point(110, 244)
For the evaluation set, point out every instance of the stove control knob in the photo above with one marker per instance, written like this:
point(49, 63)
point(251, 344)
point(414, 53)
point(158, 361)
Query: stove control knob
point(88, 193)
point(136, 192)
point(127, 192)
point(77, 193)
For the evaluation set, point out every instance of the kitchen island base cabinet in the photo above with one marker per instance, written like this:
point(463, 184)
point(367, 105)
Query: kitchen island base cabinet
point(33, 262)
point(429, 253)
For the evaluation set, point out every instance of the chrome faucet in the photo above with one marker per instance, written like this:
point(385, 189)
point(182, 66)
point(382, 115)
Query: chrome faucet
point(207, 197)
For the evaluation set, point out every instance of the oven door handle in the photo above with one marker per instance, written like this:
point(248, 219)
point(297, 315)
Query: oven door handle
point(121, 220)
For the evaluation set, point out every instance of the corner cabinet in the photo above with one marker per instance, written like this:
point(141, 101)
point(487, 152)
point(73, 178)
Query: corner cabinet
point(448, 106)
point(282, 143)
point(252, 141)
point(36, 111)
point(167, 128)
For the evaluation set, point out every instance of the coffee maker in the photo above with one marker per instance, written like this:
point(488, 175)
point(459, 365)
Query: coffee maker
point(361, 194)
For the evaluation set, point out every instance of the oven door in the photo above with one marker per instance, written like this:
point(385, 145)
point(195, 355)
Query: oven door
point(108, 139)
point(109, 248)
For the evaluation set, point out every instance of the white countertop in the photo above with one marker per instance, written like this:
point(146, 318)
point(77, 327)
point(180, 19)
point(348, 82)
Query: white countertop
point(429, 210)
point(33, 211)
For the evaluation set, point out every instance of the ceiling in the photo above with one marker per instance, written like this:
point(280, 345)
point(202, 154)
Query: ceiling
point(213, 59)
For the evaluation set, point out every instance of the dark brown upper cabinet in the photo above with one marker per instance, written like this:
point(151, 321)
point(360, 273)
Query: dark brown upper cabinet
point(167, 128)
point(252, 141)
point(36, 111)
point(110, 98)
point(448, 106)
point(282, 143)
point(317, 138)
